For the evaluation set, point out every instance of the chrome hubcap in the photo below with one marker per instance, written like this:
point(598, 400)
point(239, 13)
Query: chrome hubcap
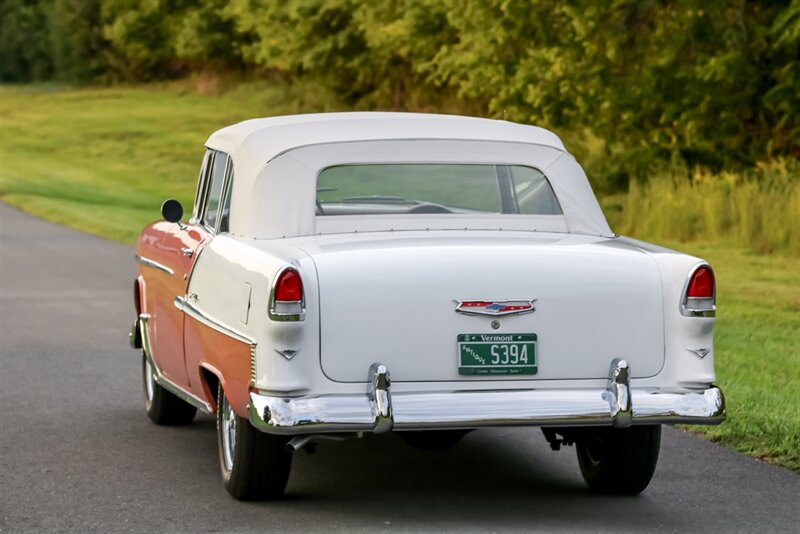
point(149, 381)
point(228, 430)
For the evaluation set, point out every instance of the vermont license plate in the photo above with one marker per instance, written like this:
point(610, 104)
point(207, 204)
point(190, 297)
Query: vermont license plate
point(497, 354)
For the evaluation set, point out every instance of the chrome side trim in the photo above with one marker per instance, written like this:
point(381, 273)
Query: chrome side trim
point(194, 312)
point(161, 380)
point(477, 409)
point(154, 264)
point(689, 312)
point(253, 365)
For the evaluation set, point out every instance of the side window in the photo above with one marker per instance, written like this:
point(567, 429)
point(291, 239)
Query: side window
point(226, 203)
point(197, 209)
point(215, 182)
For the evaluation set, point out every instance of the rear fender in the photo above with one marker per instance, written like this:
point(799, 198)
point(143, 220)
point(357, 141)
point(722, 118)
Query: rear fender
point(211, 378)
point(211, 351)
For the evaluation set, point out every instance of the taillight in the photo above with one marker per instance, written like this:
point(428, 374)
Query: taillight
point(701, 283)
point(289, 287)
point(286, 300)
point(699, 297)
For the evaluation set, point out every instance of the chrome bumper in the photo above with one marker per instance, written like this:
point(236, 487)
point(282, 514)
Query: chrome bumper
point(380, 411)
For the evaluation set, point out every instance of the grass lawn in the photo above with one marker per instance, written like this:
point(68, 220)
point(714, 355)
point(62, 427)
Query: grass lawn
point(103, 160)
point(757, 351)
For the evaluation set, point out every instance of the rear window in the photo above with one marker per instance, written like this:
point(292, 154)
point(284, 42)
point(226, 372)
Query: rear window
point(434, 188)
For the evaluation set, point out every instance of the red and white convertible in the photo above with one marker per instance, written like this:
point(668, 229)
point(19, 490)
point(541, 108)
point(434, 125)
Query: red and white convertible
point(424, 274)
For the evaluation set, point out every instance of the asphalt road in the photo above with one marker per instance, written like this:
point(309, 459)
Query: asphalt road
point(79, 453)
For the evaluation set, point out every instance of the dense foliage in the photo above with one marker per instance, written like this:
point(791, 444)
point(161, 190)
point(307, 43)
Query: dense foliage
point(630, 84)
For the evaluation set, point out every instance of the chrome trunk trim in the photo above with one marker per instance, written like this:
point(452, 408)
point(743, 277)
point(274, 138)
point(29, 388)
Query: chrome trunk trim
point(468, 311)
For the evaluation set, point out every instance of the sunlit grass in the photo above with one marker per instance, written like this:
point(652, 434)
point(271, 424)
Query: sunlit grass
point(757, 351)
point(103, 160)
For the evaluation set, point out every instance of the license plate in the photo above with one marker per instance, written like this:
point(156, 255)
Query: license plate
point(497, 354)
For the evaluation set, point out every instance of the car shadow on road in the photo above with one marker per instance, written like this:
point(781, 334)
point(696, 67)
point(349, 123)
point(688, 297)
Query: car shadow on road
point(493, 479)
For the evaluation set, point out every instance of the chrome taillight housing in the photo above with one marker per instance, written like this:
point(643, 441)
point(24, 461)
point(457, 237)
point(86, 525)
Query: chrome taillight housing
point(699, 297)
point(287, 300)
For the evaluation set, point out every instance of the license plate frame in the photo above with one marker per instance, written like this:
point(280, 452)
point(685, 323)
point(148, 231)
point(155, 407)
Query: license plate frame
point(477, 357)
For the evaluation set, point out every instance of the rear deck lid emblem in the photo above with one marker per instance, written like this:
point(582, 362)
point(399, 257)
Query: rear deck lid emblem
point(495, 307)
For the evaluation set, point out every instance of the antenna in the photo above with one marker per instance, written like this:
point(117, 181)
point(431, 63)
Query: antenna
point(504, 114)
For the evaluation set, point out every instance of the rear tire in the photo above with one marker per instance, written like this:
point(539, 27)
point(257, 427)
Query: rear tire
point(619, 461)
point(162, 407)
point(254, 465)
point(433, 440)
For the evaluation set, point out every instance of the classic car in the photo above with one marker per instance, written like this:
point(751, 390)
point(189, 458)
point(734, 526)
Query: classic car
point(351, 273)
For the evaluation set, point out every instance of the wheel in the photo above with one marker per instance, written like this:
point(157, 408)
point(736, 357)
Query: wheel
point(433, 440)
point(254, 465)
point(619, 461)
point(162, 407)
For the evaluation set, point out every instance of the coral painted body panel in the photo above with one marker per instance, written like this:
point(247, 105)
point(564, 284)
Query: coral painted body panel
point(173, 249)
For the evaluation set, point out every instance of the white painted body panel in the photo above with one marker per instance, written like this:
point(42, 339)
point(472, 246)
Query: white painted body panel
point(392, 298)
point(573, 280)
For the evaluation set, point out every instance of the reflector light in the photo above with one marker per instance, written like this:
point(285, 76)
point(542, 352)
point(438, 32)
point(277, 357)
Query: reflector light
point(289, 287)
point(701, 284)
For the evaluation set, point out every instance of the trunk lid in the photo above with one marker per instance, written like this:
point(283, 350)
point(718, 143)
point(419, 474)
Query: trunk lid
point(392, 298)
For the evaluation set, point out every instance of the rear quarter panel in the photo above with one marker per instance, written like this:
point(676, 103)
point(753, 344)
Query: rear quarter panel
point(232, 280)
point(682, 368)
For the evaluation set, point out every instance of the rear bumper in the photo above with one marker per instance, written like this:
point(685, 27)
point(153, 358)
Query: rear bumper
point(379, 411)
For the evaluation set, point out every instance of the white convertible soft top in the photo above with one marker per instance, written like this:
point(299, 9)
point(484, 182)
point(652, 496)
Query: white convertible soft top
point(276, 161)
point(273, 136)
